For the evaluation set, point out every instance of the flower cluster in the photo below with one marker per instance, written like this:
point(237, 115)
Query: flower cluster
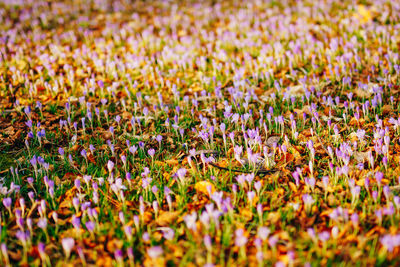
point(216, 133)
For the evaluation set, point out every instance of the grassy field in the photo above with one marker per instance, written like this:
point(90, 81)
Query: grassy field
point(210, 133)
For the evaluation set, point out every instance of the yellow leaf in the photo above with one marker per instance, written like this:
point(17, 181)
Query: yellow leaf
point(172, 162)
point(247, 214)
point(361, 182)
point(273, 217)
point(159, 163)
point(284, 258)
point(326, 212)
point(364, 14)
point(166, 175)
point(330, 189)
point(293, 187)
point(203, 186)
point(166, 218)
point(281, 191)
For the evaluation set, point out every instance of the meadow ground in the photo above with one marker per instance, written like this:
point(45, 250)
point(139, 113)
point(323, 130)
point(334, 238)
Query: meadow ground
point(210, 133)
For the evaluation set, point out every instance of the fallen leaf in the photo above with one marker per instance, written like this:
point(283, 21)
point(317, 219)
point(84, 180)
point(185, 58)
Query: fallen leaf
point(203, 186)
point(167, 217)
point(360, 156)
point(272, 140)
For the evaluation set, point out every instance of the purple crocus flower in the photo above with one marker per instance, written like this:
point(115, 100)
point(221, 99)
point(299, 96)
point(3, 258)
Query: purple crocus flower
point(110, 166)
point(77, 184)
point(84, 153)
point(90, 225)
point(168, 233)
point(207, 242)
point(155, 252)
point(240, 238)
point(263, 232)
point(151, 152)
point(7, 203)
point(190, 220)
point(379, 177)
point(119, 255)
point(76, 222)
point(68, 243)
point(41, 248)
